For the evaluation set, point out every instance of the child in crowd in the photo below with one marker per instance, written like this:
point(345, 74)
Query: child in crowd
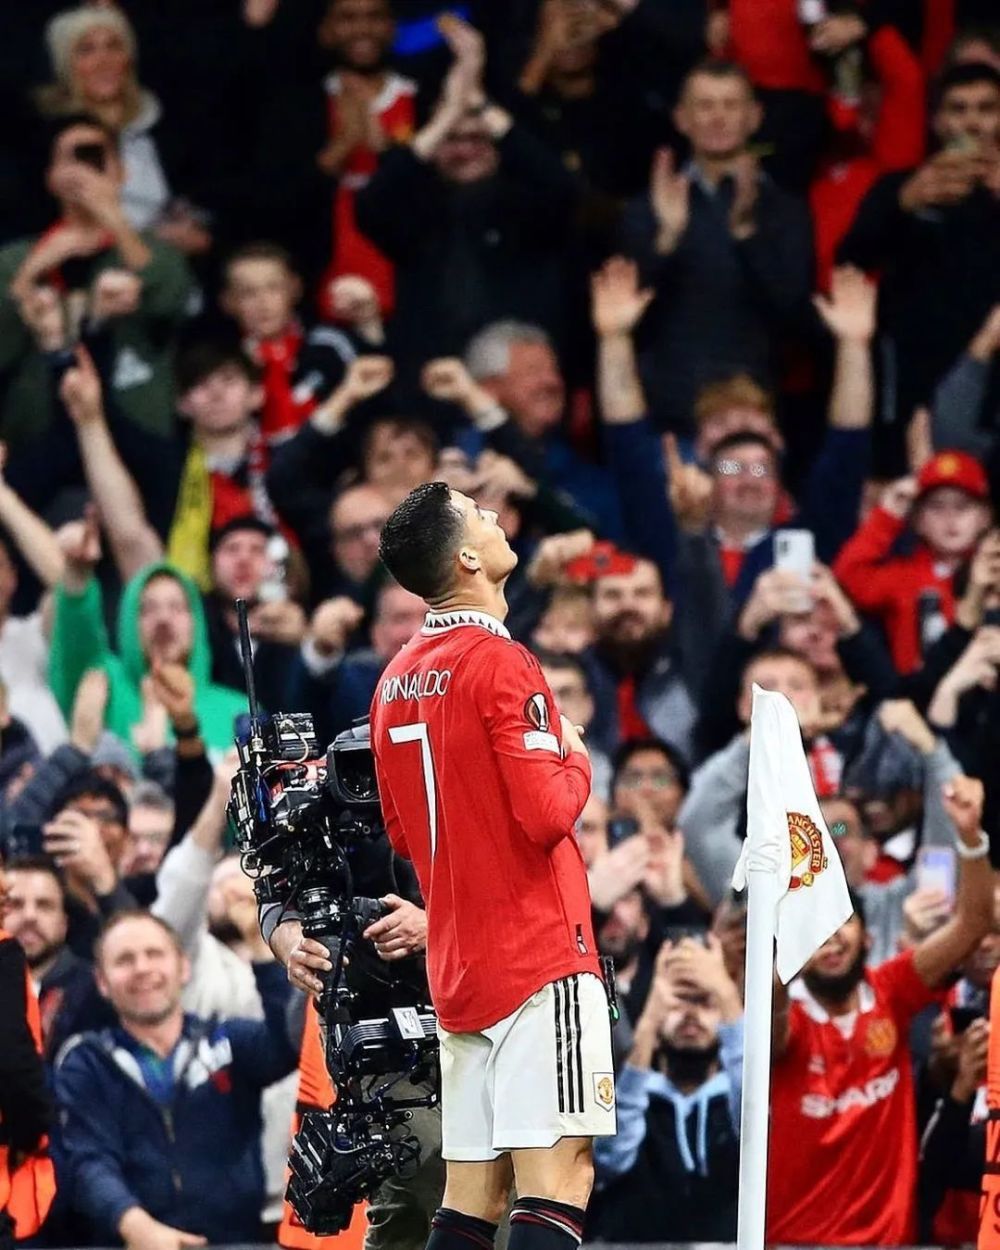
point(299, 367)
point(947, 509)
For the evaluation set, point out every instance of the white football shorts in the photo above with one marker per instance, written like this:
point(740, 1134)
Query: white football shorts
point(542, 1073)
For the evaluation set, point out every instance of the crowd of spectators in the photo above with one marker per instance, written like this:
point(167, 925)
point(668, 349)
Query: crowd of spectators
point(657, 281)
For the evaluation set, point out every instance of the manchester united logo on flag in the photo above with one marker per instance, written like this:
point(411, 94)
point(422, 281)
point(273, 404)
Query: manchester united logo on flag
point(808, 857)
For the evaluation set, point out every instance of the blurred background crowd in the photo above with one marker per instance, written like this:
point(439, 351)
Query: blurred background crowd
point(656, 280)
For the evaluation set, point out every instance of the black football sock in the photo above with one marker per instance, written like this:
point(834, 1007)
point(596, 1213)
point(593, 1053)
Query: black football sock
point(544, 1224)
point(453, 1230)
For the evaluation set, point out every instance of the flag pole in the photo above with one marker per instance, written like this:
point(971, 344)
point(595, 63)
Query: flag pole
point(762, 901)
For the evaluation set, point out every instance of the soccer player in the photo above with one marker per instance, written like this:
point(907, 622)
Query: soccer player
point(481, 783)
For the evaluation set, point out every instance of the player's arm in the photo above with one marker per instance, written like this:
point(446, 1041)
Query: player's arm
point(543, 762)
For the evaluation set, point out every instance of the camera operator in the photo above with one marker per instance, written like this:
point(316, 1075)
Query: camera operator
point(400, 1213)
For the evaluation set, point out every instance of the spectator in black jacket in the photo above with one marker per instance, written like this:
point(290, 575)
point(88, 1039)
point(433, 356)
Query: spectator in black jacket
point(488, 212)
point(934, 234)
point(729, 254)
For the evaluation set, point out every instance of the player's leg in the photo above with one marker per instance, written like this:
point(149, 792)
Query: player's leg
point(478, 1178)
point(553, 1186)
point(475, 1201)
point(553, 1092)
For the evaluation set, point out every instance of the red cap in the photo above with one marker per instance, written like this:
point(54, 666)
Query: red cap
point(604, 559)
point(954, 468)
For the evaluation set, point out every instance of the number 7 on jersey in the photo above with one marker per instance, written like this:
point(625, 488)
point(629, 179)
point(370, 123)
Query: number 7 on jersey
point(417, 732)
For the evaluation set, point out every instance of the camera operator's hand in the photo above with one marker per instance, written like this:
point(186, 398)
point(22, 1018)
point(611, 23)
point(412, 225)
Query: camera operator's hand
point(402, 933)
point(302, 957)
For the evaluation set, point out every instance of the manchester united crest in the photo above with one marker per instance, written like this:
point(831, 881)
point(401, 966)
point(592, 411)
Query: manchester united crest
point(604, 1090)
point(880, 1038)
point(808, 856)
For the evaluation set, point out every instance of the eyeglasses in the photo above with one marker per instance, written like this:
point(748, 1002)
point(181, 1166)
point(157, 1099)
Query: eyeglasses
point(658, 780)
point(351, 533)
point(737, 468)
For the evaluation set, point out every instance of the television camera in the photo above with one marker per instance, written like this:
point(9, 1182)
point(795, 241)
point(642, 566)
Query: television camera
point(303, 821)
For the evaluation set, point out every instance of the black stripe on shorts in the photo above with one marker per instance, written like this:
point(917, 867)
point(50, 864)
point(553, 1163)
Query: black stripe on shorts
point(568, 1025)
point(579, 1038)
point(560, 1061)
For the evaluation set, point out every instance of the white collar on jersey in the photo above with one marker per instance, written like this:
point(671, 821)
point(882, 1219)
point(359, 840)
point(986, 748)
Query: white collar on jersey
point(797, 991)
point(439, 622)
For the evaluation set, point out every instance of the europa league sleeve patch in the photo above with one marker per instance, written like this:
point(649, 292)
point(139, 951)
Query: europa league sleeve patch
point(536, 712)
point(539, 737)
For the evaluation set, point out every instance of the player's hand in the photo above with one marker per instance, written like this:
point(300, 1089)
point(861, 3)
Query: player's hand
point(572, 738)
point(402, 933)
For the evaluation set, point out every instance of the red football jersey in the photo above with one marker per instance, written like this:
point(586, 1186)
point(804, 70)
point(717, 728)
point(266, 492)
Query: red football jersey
point(475, 791)
point(843, 1155)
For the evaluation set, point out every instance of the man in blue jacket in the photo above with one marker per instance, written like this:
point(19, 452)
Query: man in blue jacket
point(161, 1114)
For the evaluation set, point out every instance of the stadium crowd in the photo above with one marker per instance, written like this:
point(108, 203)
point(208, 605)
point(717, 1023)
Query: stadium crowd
point(655, 280)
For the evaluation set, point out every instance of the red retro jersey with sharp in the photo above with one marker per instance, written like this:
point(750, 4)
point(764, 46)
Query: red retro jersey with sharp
point(476, 793)
point(843, 1156)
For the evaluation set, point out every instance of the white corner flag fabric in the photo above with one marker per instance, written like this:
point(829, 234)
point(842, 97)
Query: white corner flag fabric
point(787, 836)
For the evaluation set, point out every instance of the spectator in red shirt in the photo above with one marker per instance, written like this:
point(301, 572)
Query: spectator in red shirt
point(912, 595)
point(862, 147)
point(844, 1139)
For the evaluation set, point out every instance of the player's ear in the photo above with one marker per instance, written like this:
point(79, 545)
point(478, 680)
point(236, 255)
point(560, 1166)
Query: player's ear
point(469, 559)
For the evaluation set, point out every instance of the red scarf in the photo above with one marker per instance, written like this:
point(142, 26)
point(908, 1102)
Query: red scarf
point(826, 766)
point(54, 277)
point(631, 723)
point(283, 413)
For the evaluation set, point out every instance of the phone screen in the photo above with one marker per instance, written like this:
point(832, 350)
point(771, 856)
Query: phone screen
point(936, 869)
point(795, 552)
point(621, 829)
point(25, 840)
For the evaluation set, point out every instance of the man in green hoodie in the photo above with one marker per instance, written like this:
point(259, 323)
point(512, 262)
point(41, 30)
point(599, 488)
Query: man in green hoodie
point(160, 625)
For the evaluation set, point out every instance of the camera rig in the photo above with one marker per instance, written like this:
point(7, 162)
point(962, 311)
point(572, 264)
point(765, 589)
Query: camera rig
point(302, 819)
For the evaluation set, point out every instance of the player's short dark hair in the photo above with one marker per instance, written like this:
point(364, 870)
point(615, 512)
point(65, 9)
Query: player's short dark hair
point(964, 74)
point(201, 359)
point(91, 785)
point(38, 863)
point(632, 746)
point(420, 539)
